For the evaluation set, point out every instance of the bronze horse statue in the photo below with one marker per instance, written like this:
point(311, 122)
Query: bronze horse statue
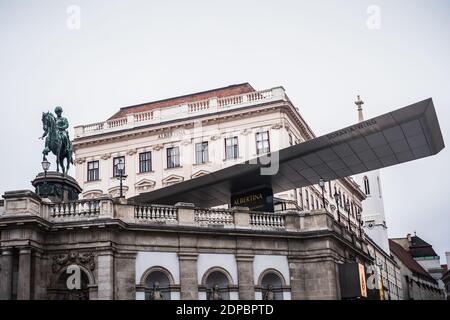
point(57, 139)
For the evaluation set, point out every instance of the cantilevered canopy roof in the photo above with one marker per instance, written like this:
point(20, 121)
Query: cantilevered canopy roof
point(403, 135)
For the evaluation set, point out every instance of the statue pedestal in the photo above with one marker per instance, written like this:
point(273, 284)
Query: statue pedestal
point(56, 186)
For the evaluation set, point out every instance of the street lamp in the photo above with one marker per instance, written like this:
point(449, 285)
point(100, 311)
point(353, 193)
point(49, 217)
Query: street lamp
point(322, 186)
point(347, 207)
point(337, 198)
point(120, 175)
point(45, 166)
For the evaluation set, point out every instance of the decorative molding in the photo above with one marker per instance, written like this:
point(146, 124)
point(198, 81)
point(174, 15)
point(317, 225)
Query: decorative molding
point(106, 156)
point(172, 179)
point(131, 152)
point(80, 160)
point(215, 137)
point(246, 132)
point(200, 173)
point(186, 142)
point(277, 126)
point(158, 147)
point(145, 185)
point(85, 259)
point(115, 191)
point(91, 194)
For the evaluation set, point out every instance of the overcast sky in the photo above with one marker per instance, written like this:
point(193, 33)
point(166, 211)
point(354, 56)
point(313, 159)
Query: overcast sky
point(324, 53)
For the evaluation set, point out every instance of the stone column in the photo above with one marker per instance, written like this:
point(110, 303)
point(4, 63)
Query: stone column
point(105, 275)
point(297, 279)
point(24, 276)
point(6, 274)
point(125, 276)
point(245, 277)
point(39, 276)
point(188, 276)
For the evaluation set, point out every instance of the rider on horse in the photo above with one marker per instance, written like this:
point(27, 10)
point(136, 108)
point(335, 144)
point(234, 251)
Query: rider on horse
point(62, 125)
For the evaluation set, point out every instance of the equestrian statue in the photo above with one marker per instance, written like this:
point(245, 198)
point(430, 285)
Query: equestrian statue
point(57, 139)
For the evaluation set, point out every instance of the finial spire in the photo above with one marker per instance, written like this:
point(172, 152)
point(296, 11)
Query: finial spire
point(359, 103)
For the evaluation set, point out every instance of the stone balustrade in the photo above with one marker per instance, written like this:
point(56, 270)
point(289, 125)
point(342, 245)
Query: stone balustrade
point(179, 111)
point(28, 204)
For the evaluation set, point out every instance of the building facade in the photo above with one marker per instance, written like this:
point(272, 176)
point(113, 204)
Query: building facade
point(120, 249)
point(417, 283)
point(173, 140)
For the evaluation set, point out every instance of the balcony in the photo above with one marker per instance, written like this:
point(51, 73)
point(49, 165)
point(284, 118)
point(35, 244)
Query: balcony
point(161, 115)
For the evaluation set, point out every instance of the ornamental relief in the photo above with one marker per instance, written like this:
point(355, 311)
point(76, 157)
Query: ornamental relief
point(62, 260)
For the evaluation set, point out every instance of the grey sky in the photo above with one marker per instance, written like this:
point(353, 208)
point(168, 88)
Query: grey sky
point(322, 52)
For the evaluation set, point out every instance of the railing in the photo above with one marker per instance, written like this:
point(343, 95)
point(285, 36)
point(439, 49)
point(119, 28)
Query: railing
point(155, 213)
point(143, 116)
point(205, 217)
point(267, 220)
point(178, 111)
point(198, 106)
point(75, 209)
point(114, 123)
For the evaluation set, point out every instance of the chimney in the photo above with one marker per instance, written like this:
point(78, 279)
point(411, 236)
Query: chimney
point(447, 255)
point(408, 237)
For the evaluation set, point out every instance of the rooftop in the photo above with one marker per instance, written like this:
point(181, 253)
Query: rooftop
point(235, 89)
point(407, 259)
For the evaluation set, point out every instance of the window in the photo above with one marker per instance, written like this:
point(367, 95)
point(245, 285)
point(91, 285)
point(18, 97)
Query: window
point(291, 141)
point(307, 200)
point(92, 173)
point(300, 193)
point(173, 157)
point(366, 185)
point(145, 162)
point(262, 142)
point(231, 148)
point(201, 152)
point(116, 161)
point(379, 186)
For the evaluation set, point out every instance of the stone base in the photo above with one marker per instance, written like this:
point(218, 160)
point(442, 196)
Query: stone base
point(56, 186)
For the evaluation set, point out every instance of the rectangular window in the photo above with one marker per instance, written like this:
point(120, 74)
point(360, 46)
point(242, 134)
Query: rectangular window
point(262, 142)
point(291, 141)
point(93, 171)
point(201, 152)
point(145, 162)
point(231, 148)
point(116, 161)
point(173, 157)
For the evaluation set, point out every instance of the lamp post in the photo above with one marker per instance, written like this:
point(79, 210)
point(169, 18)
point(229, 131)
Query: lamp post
point(120, 175)
point(322, 186)
point(360, 223)
point(45, 166)
point(337, 198)
point(347, 207)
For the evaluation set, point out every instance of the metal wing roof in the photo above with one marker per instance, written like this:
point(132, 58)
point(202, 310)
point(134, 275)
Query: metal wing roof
point(403, 135)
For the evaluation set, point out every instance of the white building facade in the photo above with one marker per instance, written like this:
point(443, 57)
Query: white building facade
point(169, 141)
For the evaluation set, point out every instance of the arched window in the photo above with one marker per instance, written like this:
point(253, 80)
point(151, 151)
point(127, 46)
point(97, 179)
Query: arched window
point(157, 283)
point(217, 286)
point(366, 185)
point(63, 292)
point(272, 285)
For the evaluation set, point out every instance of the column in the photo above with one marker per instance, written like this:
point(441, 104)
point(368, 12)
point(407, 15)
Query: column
point(6, 274)
point(105, 275)
point(297, 279)
point(24, 276)
point(245, 277)
point(188, 275)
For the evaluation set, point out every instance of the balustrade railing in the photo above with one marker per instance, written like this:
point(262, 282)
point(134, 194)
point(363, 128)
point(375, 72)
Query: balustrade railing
point(75, 209)
point(155, 213)
point(156, 115)
point(267, 220)
point(206, 217)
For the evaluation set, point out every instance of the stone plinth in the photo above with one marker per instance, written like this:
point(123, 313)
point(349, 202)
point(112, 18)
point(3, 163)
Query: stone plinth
point(56, 186)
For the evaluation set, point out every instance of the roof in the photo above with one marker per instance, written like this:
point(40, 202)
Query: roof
point(420, 248)
point(407, 134)
point(406, 258)
point(231, 90)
